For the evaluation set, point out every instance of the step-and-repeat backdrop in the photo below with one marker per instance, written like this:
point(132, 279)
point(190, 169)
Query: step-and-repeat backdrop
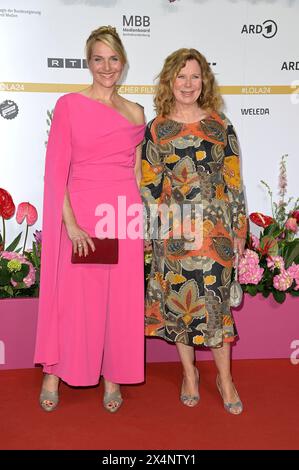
point(252, 46)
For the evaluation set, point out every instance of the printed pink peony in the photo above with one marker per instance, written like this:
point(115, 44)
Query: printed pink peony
point(293, 271)
point(282, 281)
point(249, 270)
point(291, 224)
point(29, 280)
point(275, 262)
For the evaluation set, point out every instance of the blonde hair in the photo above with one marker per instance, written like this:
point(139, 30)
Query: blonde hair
point(109, 36)
point(164, 100)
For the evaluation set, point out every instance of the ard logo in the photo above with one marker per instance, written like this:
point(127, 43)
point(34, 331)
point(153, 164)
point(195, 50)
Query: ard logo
point(267, 29)
point(136, 21)
point(290, 65)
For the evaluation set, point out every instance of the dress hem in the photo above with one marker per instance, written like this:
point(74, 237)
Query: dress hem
point(225, 340)
point(94, 383)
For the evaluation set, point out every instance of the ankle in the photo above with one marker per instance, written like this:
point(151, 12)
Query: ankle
point(50, 382)
point(111, 387)
point(189, 371)
point(225, 378)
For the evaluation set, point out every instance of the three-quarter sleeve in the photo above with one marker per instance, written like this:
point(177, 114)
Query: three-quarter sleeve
point(233, 180)
point(151, 182)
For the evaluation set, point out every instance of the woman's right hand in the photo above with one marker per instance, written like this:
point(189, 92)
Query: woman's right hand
point(80, 239)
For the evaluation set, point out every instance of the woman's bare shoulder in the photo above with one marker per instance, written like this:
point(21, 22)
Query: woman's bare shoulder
point(135, 110)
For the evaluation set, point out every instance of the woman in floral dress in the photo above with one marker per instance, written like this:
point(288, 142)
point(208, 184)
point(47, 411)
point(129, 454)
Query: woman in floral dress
point(191, 163)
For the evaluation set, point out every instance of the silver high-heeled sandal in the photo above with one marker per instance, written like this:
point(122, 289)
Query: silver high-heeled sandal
point(109, 398)
point(185, 398)
point(229, 406)
point(48, 400)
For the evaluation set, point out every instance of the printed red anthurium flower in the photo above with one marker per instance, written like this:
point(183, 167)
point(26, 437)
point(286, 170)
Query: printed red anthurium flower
point(28, 211)
point(7, 207)
point(260, 219)
point(295, 214)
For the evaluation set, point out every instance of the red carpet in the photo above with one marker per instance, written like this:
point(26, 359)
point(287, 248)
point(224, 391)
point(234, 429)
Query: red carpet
point(152, 416)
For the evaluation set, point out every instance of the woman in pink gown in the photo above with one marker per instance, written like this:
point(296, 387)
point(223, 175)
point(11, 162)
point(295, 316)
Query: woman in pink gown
point(91, 319)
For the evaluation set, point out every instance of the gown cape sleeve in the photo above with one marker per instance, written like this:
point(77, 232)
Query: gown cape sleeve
point(58, 158)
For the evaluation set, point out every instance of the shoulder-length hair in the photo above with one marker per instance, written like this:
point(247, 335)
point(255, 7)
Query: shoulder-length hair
point(164, 99)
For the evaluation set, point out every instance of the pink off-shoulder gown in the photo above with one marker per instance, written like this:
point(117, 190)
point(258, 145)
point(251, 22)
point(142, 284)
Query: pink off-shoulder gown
point(91, 317)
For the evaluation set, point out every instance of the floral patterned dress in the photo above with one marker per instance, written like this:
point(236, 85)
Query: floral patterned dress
point(187, 297)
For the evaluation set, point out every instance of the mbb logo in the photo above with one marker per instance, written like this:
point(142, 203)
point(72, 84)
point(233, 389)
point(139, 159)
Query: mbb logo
point(135, 20)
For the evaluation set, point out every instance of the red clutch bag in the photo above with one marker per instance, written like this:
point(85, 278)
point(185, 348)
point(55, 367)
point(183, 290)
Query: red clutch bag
point(106, 252)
